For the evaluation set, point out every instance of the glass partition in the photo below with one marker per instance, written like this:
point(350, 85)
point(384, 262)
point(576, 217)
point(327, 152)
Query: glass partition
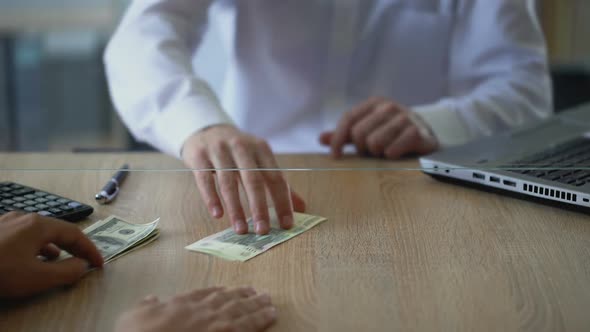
point(203, 124)
point(63, 91)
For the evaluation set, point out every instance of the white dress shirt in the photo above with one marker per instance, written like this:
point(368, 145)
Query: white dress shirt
point(467, 67)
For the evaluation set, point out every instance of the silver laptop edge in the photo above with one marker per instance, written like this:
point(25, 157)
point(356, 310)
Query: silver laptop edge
point(504, 181)
point(454, 164)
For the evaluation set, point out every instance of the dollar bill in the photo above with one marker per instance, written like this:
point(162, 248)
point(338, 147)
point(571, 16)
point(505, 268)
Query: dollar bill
point(115, 237)
point(231, 246)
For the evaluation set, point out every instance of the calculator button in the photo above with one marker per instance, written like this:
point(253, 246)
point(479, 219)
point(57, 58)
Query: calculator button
point(8, 208)
point(63, 200)
point(74, 204)
point(45, 213)
point(7, 201)
point(40, 193)
point(5, 189)
point(19, 199)
point(15, 186)
point(30, 196)
point(41, 206)
point(54, 210)
point(19, 205)
point(66, 208)
point(29, 202)
point(51, 197)
point(40, 200)
point(53, 203)
point(20, 192)
point(31, 209)
point(6, 195)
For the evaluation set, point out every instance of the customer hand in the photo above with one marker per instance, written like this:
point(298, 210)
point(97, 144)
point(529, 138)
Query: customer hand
point(223, 147)
point(381, 128)
point(23, 237)
point(205, 310)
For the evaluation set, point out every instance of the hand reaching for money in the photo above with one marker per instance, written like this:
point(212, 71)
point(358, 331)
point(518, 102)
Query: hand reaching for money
point(226, 147)
point(204, 310)
point(234, 247)
point(23, 237)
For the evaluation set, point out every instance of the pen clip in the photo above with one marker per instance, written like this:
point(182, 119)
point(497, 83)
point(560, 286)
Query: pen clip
point(104, 198)
point(111, 196)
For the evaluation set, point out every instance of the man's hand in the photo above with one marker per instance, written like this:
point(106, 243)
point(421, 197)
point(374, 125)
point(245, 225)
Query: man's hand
point(24, 237)
point(205, 310)
point(223, 147)
point(381, 128)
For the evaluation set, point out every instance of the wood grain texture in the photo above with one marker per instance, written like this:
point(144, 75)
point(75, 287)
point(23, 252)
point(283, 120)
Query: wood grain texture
point(400, 251)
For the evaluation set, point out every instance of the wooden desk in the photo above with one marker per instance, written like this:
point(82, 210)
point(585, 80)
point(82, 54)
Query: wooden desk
point(400, 251)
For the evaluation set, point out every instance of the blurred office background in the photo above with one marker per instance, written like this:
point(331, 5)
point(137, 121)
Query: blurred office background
point(53, 93)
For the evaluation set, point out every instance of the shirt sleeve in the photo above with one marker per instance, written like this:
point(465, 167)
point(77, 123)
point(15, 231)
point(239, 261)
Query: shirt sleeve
point(498, 75)
point(151, 79)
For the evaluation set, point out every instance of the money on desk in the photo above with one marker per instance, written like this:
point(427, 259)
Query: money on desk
point(115, 237)
point(234, 247)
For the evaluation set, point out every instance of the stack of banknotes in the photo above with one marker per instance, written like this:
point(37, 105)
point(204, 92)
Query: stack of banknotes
point(231, 246)
point(115, 237)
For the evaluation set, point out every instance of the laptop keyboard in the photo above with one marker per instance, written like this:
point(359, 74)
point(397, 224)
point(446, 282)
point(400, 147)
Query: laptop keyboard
point(559, 163)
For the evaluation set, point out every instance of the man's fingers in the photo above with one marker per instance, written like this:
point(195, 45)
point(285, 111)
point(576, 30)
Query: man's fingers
point(326, 137)
point(254, 183)
point(50, 251)
point(199, 294)
point(408, 141)
point(240, 307)
point(371, 121)
point(149, 300)
point(206, 183)
point(258, 320)
point(229, 187)
point(218, 298)
point(60, 273)
point(277, 186)
point(387, 133)
point(69, 238)
point(298, 202)
point(342, 134)
point(11, 216)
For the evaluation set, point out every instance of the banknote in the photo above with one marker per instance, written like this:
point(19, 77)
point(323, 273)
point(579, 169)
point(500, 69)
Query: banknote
point(115, 237)
point(231, 246)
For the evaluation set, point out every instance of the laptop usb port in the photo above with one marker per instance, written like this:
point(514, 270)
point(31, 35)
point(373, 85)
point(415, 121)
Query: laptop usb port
point(494, 179)
point(509, 183)
point(479, 176)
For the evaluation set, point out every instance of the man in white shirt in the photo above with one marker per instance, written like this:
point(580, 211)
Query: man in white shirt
point(301, 76)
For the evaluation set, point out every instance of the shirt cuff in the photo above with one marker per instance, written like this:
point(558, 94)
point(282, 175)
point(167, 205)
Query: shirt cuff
point(184, 118)
point(446, 125)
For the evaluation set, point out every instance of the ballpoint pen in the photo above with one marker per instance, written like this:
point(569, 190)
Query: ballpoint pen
point(111, 189)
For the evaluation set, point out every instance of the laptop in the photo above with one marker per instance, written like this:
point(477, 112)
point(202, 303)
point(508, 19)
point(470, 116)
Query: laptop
point(548, 161)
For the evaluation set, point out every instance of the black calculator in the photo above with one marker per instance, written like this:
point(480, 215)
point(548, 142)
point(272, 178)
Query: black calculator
point(18, 197)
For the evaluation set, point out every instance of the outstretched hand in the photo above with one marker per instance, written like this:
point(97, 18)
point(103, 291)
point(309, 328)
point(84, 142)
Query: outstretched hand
point(25, 237)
